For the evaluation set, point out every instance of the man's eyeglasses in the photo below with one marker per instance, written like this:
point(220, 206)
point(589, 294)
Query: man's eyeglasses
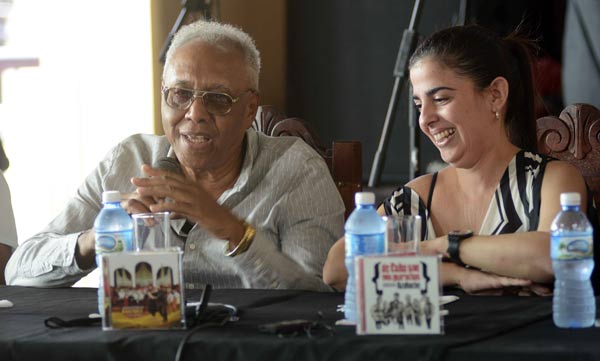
point(216, 103)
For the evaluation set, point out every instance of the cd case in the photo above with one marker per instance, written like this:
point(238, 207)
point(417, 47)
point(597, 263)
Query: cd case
point(398, 295)
point(143, 289)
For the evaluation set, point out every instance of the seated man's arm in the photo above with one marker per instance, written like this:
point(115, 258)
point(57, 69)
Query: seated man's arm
point(296, 210)
point(311, 218)
point(4, 256)
point(49, 258)
point(8, 228)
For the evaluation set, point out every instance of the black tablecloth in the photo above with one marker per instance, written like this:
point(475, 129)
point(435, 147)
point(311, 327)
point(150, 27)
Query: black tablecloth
point(477, 328)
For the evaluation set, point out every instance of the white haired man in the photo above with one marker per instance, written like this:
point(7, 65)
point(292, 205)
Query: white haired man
point(256, 211)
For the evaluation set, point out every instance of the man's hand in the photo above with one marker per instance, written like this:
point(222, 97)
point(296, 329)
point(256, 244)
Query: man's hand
point(85, 251)
point(133, 203)
point(189, 199)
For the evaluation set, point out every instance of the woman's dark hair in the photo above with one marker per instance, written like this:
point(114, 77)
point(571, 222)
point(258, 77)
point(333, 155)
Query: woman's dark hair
point(481, 55)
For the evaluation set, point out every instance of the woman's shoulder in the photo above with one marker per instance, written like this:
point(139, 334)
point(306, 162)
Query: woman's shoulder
point(421, 185)
point(532, 160)
point(561, 166)
point(559, 173)
point(417, 187)
point(536, 162)
point(408, 198)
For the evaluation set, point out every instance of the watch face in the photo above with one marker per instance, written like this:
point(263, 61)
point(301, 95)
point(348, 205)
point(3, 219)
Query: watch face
point(461, 234)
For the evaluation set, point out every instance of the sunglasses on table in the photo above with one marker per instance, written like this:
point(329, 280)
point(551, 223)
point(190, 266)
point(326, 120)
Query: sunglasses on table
point(216, 103)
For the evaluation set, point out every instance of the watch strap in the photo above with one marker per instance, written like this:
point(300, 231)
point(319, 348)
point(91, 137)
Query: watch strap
point(454, 240)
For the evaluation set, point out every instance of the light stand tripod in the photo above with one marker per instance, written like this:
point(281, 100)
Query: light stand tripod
point(407, 47)
point(187, 6)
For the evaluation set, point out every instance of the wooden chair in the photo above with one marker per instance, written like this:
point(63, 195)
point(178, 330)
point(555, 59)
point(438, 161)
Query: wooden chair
point(574, 136)
point(344, 159)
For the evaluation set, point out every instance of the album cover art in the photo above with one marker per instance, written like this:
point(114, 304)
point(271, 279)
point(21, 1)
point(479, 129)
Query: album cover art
point(143, 290)
point(398, 295)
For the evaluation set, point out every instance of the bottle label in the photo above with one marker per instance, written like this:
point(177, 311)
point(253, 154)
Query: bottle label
point(572, 247)
point(365, 243)
point(108, 242)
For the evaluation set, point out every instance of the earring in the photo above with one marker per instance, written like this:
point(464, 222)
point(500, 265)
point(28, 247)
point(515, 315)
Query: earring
point(497, 116)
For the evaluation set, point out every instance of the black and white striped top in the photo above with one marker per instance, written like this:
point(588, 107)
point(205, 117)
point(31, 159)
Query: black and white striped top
point(515, 206)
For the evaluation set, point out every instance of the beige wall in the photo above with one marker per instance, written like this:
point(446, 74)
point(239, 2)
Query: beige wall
point(264, 20)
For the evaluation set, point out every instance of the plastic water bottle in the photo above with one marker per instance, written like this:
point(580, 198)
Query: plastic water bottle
point(113, 230)
point(572, 256)
point(365, 234)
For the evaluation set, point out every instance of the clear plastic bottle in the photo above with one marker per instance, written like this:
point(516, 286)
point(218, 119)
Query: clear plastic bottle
point(572, 256)
point(113, 231)
point(365, 234)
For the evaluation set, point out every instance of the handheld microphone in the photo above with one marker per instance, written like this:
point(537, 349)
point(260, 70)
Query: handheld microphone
point(169, 164)
point(172, 165)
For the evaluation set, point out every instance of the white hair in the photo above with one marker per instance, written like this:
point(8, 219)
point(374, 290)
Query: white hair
point(225, 36)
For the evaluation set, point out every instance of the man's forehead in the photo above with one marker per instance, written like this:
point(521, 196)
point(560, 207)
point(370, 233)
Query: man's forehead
point(212, 49)
point(191, 70)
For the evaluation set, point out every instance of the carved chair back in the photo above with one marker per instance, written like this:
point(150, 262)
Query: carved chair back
point(574, 136)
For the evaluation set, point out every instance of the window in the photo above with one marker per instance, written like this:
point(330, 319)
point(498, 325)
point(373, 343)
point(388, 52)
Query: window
point(91, 89)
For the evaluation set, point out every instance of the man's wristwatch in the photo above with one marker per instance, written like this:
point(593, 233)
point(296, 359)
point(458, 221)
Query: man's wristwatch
point(454, 240)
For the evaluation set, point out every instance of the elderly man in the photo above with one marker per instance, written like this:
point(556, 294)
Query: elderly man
point(256, 211)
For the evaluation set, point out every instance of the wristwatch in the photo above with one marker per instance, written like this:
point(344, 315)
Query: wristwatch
point(454, 240)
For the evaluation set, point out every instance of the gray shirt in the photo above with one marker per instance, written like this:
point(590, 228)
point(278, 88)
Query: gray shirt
point(284, 190)
point(8, 229)
point(581, 53)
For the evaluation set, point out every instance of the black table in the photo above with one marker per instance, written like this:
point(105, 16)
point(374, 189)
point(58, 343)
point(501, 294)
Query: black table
point(477, 328)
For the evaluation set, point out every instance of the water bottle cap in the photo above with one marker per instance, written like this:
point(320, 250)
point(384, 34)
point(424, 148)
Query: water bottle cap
point(570, 199)
point(364, 198)
point(111, 196)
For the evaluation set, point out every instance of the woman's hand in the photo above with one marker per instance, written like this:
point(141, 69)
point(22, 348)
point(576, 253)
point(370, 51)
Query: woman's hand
point(536, 289)
point(435, 246)
point(334, 270)
point(476, 281)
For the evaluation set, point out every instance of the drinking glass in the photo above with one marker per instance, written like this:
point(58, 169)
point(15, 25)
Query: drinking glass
point(403, 234)
point(151, 231)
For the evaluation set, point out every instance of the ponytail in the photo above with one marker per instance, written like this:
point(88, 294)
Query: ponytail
point(520, 111)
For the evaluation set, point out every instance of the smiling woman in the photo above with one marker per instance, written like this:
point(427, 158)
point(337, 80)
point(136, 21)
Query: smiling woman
point(92, 88)
point(489, 212)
